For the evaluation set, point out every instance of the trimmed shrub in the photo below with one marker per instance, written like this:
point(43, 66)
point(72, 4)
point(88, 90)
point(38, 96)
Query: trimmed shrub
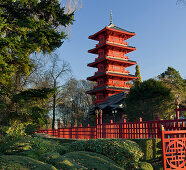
point(139, 165)
point(121, 151)
point(150, 147)
point(80, 160)
point(145, 166)
point(22, 162)
point(31, 147)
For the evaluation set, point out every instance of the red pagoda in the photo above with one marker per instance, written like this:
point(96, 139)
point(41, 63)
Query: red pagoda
point(111, 62)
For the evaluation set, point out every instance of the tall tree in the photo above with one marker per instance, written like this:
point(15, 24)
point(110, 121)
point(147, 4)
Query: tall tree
point(137, 74)
point(149, 100)
point(57, 72)
point(172, 78)
point(26, 26)
point(76, 103)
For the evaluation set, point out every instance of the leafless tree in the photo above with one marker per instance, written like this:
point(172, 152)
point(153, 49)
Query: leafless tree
point(76, 102)
point(57, 73)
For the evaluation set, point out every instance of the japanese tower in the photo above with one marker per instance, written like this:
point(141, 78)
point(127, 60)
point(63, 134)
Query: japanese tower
point(112, 76)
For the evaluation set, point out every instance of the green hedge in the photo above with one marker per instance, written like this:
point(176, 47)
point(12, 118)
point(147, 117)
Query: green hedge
point(150, 147)
point(121, 151)
point(80, 160)
point(22, 162)
point(32, 147)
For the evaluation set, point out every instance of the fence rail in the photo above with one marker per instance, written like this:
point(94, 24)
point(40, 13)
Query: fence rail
point(125, 130)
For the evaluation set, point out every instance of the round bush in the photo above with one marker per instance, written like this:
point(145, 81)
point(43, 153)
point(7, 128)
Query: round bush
point(119, 150)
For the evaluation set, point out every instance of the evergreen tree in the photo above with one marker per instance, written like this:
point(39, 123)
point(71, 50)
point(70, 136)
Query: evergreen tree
point(150, 100)
point(26, 27)
point(137, 74)
point(172, 78)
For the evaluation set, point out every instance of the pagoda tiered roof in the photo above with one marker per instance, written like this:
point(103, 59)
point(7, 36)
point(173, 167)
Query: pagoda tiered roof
point(113, 59)
point(113, 74)
point(112, 28)
point(111, 44)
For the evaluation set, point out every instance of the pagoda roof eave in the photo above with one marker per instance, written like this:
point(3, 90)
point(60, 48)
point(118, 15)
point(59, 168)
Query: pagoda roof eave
point(115, 29)
point(107, 88)
point(129, 62)
point(114, 74)
point(95, 50)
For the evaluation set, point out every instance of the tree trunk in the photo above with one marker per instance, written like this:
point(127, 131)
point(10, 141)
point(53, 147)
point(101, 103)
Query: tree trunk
point(54, 107)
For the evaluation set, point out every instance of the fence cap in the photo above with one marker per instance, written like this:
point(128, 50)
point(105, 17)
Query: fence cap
point(162, 128)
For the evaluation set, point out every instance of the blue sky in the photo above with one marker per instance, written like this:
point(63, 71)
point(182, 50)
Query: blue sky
point(160, 27)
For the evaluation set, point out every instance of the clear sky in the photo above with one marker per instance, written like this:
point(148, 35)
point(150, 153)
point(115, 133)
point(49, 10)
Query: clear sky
point(160, 27)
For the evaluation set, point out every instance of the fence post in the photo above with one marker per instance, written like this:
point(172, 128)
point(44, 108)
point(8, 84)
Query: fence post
point(58, 127)
point(163, 146)
point(111, 129)
point(101, 126)
point(97, 122)
point(140, 128)
point(97, 117)
point(124, 130)
point(81, 135)
point(88, 130)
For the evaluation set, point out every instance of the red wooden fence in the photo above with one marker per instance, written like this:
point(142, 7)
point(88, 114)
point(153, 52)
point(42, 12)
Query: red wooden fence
point(174, 149)
point(125, 130)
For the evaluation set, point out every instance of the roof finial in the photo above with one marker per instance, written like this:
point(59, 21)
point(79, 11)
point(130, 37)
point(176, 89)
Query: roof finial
point(111, 17)
point(111, 22)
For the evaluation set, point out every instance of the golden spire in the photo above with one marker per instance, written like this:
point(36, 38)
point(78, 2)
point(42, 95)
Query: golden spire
point(111, 22)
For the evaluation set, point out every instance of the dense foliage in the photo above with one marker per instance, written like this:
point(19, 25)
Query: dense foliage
point(151, 148)
point(172, 79)
point(121, 151)
point(150, 99)
point(27, 27)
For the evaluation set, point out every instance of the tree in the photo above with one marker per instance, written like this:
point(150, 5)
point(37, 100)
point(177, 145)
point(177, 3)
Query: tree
point(172, 79)
point(137, 74)
point(57, 72)
point(149, 100)
point(26, 26)
point(76, 103)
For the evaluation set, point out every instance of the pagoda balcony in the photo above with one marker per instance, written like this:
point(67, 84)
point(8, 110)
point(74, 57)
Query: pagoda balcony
point(125, 72)
point(113, 42)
